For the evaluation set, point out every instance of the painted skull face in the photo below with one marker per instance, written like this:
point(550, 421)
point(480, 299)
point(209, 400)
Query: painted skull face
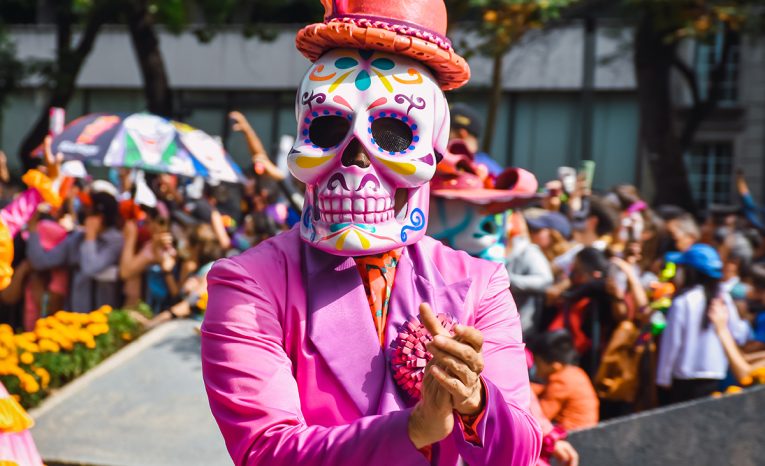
point(462, 226)
point(369, 127)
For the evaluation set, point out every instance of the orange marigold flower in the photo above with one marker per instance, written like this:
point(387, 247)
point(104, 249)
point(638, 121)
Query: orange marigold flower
point(44, 376)
point(27, 358)
point(49, 346)
point(98, 329)
point(30, 385)
point(98, 317)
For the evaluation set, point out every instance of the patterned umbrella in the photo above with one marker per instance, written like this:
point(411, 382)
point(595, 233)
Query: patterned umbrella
point(146, 142)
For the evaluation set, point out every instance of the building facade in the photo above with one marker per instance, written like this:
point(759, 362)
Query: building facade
point(540, 126)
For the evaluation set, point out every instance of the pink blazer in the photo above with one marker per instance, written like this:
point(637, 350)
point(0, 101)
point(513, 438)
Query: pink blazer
point(295, 375)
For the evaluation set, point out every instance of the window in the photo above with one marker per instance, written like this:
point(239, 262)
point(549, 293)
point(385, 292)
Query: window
point(708, 54)
point(710, 172)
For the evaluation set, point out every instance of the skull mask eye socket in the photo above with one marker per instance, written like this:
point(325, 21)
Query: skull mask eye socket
point(489, 226)
point(391, 134)
point(328, 131)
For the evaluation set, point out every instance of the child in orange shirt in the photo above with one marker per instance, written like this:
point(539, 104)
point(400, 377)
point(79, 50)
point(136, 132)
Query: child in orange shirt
point(567, 396)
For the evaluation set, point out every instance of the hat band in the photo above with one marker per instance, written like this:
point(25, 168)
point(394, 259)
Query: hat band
point(399, 27)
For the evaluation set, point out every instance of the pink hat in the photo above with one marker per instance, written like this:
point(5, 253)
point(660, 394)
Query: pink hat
point(459, 177)
point(413, 28)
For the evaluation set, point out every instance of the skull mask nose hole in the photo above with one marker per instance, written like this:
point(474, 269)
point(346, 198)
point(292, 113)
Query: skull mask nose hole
point(354, 154)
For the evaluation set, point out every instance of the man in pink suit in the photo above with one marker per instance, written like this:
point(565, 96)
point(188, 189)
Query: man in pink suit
point(312, 349)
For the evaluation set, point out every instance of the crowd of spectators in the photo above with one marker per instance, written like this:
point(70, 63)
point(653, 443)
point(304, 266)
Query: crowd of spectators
point(624, 306)
point(139, 239)
point(627, 307)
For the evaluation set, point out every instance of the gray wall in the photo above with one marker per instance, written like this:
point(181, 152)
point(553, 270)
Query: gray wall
point(710, 432)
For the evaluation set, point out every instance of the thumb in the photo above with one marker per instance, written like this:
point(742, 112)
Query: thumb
point(429, 320)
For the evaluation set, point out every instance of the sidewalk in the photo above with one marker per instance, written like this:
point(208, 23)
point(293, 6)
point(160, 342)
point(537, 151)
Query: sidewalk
point(144, 406)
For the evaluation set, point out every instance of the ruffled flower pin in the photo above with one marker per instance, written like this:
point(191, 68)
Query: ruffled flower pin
point(410, 355)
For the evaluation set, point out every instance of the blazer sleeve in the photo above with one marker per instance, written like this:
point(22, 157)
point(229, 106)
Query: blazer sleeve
point(508, 433)
point(254, 396)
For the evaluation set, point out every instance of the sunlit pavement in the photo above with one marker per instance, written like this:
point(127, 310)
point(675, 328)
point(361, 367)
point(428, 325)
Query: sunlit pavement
point(144, 406)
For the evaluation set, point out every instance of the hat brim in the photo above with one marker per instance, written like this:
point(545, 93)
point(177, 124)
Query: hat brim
point(493, 200)
point(450, 69)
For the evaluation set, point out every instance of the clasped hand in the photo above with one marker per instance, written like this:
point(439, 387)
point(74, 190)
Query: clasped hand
point(451, 383)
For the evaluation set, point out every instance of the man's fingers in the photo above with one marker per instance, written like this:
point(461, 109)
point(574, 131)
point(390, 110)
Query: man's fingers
point(465, 353)
point(451, 384)
point(432, 392)
point(454, 366)
point(430, 322)
point(470, 336)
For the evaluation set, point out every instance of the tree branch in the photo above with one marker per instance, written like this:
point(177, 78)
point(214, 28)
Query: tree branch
point(702, 110)
point(690, 77)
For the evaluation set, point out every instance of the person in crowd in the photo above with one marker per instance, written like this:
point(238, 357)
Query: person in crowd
point(530, 275)
point(92, 252)
point(753, 213)
point(691, 360)
point(202, 250)
point(467, 125)
point(742, 365)
point(586, 308)
point(148, 261)
point(549, 230)
point(593, 227)
point(566, 394)
point(754, 304)
point(684, 231)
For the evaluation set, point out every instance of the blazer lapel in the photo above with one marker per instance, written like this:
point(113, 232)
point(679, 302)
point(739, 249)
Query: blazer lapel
point(341, 328)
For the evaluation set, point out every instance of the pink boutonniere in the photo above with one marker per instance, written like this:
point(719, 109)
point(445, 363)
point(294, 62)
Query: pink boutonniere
point(410, 356)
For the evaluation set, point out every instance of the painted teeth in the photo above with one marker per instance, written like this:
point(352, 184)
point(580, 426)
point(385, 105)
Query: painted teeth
point(358, 206)
point(335, 209)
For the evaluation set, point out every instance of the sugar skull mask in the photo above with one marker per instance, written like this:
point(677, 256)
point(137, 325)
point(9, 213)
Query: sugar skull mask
point(465, 227)
point(370, 126)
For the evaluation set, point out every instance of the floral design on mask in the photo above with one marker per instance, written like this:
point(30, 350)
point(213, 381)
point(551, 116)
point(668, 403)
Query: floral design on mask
point(367, 64)
point(367, 158)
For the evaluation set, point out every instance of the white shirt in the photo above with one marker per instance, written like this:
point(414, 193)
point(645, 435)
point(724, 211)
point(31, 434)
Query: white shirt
point(689, 351)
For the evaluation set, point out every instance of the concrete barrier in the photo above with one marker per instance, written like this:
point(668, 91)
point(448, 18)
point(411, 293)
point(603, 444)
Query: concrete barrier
point(707, 432)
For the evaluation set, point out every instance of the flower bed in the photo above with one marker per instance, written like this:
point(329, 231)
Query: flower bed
point(62, 347)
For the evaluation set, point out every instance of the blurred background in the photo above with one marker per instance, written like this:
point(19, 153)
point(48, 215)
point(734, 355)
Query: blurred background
point(667, 95)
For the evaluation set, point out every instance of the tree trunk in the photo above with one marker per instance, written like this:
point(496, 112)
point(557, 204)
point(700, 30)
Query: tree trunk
point(159, 97)
point(653, 58)
point(496, 98)
point(68, 65)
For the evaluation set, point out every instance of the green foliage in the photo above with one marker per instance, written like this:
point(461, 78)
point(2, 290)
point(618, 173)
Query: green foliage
point(501, 23)
point(697, 19)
